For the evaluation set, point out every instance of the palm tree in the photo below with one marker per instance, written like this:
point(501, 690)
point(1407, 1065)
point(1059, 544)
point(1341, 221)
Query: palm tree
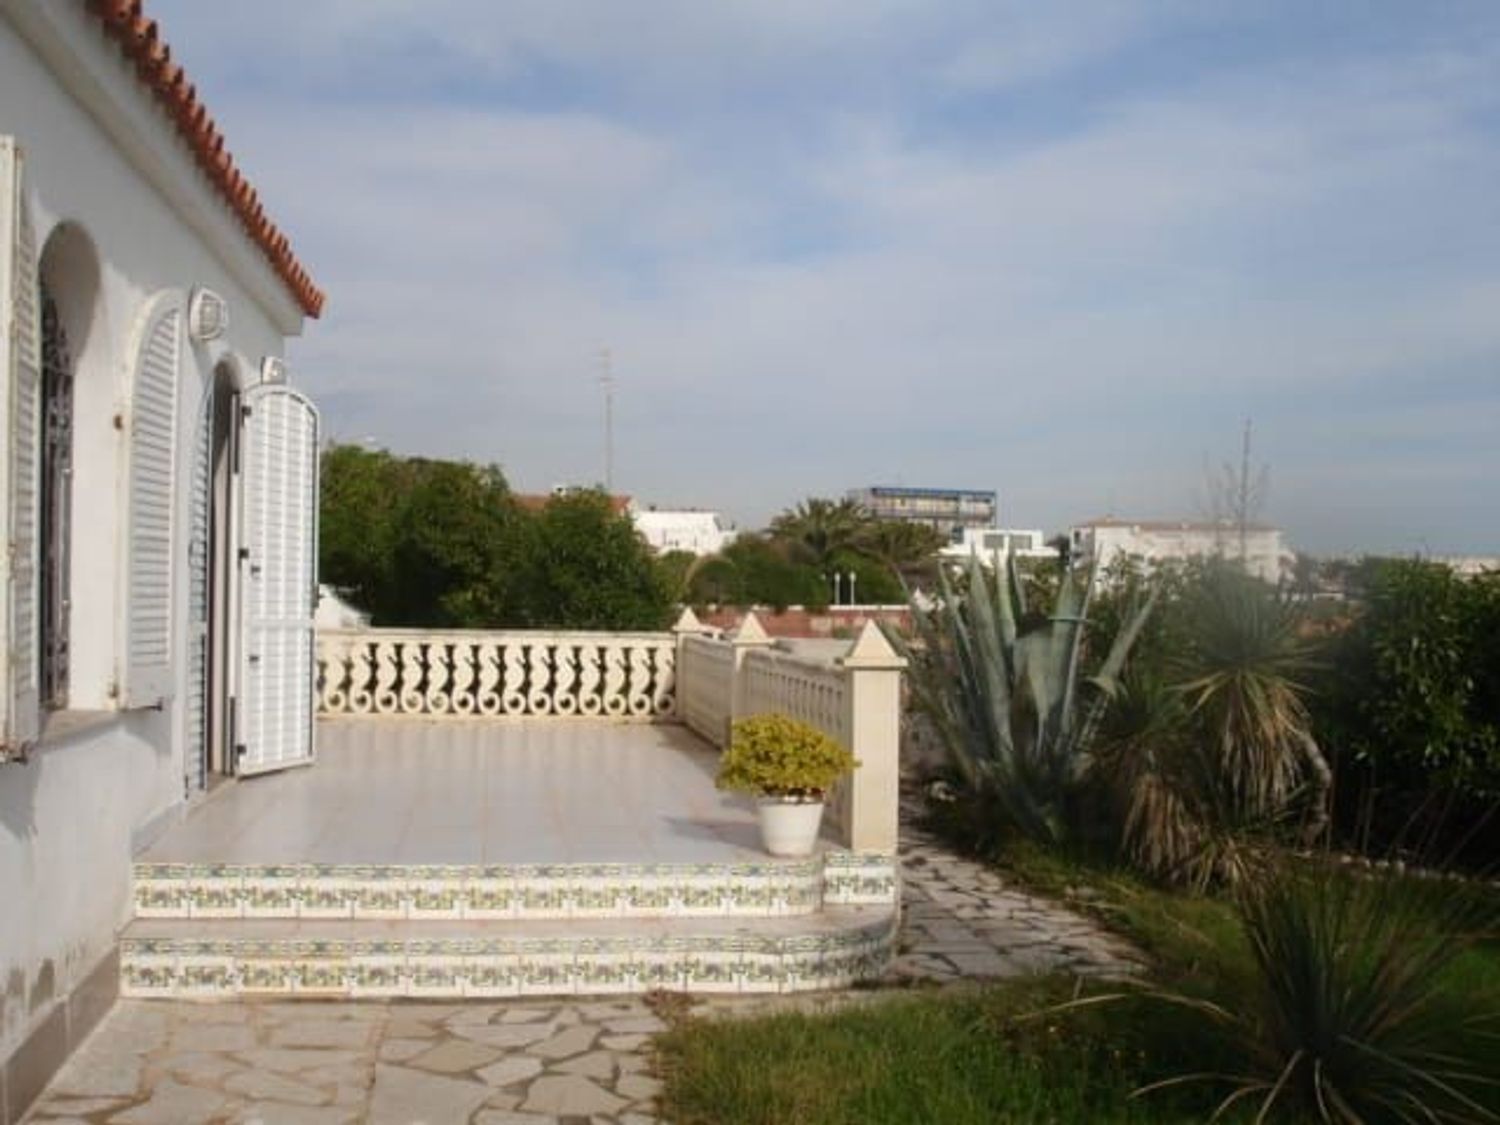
point(817, 529)
point(907, 548)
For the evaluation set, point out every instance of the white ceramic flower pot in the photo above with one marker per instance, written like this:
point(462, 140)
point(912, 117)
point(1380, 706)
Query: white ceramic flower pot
point(789, 827)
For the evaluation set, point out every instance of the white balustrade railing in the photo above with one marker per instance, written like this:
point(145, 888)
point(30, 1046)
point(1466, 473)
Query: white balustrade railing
point(475, 673)
point(810, 690)
point(705, 694)
point(855, 700)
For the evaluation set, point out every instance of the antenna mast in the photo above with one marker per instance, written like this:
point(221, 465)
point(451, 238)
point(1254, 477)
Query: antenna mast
point(607, 381)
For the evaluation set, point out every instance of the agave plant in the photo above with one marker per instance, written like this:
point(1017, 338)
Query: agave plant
point(1004, 686)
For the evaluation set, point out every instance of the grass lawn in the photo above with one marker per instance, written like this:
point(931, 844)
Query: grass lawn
point(984, 1054)
point(959, 1057)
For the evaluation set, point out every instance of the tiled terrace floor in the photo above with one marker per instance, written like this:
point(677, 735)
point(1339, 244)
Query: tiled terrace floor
point(522, 1062)
point(411, 791)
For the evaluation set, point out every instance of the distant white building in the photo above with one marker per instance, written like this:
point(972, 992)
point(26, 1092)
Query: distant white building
point(1152, 541)
point(1469, 566)
point(1011, 543)
point(683, 529)
point(334, 612)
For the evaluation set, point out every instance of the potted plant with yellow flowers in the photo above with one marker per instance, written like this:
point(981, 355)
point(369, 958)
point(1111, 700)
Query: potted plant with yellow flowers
point(788, 766)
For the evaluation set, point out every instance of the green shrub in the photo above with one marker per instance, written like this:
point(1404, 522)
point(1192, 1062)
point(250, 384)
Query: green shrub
point(1412, 708)
point(777, 756)
point(1349, 1010)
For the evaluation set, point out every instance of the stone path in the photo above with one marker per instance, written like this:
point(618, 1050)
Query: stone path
point(308, 1063)
point(962, 920)
point(518, 1062)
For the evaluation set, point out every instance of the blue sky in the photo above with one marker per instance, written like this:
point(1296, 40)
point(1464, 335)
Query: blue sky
point(1061, 250)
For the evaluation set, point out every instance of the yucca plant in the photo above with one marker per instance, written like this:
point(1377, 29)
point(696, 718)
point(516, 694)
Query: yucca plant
point(1351, 1011)
point(1004, 687)
point(1178, 819)
point(1243, 675)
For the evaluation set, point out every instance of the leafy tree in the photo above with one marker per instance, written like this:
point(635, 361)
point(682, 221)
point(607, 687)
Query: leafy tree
point(676, 570)
point(755, 570)
point(874, 582)
point(455, 550)
point(587, 568)
point(1413, 705)
point(420, 542)
point(361, 492)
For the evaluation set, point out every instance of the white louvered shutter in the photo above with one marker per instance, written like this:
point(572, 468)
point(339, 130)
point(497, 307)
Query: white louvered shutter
point(20, 457)
point(278, 579)
point(147, 678)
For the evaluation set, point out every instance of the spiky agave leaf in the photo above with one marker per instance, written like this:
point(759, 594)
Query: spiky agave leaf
point(1004, 697)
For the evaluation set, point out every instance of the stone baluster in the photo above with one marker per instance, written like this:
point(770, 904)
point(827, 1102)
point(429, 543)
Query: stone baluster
point(589, 678)
point(640, 700)
point(664, 682)
point(461, 693)
point(387, 673)
point(539, 677)
point(357, 694)
point(513, 682)
point(614, 679)
point(564, 677)
point(333, 672)
point(435, 691)
point(488, 695)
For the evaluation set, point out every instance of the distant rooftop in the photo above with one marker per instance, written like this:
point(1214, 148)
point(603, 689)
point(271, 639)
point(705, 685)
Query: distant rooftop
point(536, 501)
point(906, 490)
point(1174, 525)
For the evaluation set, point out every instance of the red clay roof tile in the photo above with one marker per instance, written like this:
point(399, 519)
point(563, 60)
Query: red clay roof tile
point(140, 41)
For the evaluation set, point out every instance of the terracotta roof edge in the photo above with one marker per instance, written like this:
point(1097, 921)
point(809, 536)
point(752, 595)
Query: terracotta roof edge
point(140, 42)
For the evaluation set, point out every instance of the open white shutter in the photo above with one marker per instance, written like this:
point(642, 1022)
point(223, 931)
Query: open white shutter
point(20, 452)
point(147, 678)
point(278, 578)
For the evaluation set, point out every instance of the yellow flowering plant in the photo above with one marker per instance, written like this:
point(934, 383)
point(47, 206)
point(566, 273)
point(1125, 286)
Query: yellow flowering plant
point(778, 756)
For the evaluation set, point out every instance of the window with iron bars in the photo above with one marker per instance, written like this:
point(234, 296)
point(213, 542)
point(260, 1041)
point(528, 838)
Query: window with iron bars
point(56, 500)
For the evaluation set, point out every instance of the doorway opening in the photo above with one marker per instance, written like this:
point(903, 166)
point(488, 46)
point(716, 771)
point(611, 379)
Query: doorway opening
point(213, 626)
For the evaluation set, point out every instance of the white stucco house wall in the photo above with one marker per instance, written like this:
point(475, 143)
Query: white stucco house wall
point(683, 529)
point(157, 493)
point(1007, 542)
point(1265, 551)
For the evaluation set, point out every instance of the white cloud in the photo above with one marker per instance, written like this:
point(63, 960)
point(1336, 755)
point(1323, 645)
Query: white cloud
point(806, 291)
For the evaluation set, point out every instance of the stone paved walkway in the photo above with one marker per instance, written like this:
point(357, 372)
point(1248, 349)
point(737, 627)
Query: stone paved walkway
point(962, 920)
point(518, 1062)
point(311, 1063)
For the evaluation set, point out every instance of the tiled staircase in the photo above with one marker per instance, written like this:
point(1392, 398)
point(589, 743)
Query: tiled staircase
point(218, 930)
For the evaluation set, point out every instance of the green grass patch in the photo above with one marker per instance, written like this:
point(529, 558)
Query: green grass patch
point(978, 1055)
point(1003, 1052)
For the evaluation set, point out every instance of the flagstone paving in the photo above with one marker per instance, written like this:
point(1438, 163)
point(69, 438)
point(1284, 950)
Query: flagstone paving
point(521, 1062)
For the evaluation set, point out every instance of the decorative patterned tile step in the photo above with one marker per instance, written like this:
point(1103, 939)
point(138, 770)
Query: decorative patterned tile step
point(518, 891)
point(210, 959)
